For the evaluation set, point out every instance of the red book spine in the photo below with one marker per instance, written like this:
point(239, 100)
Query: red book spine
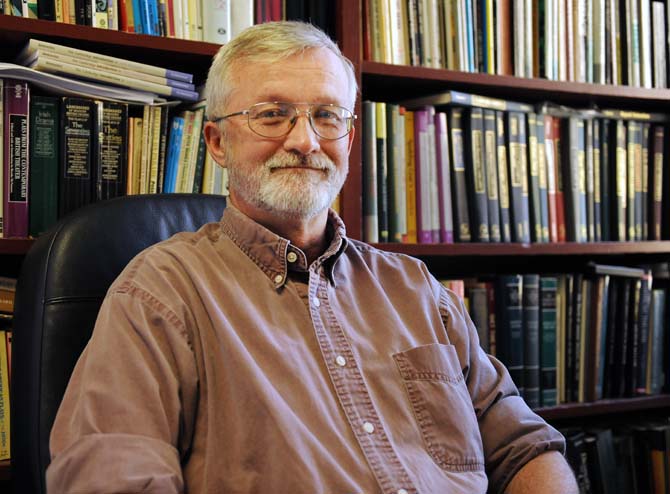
point(16, 96)
point(551, 176)
point(560, 208)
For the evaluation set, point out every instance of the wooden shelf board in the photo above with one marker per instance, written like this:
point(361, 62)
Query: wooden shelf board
point(604, 407)
point(15, 246)
point(383, 81)
point(513, 249)
point(5, 470)
point(191, 56)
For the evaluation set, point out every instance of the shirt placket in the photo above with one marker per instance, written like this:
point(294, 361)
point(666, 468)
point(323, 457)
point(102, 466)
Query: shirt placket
point(352, 392)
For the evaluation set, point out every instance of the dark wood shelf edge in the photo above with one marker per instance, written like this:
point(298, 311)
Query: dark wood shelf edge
point(63, 31)
point(550, 88)
point(15, 246)
point(513, 249)
point(5, 470)
point(604, 407)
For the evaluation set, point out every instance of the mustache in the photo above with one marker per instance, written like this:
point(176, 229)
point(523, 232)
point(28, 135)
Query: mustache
point(297, 161)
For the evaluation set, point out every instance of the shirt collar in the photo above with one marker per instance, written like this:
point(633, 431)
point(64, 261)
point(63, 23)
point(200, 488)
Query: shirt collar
point(269, 251)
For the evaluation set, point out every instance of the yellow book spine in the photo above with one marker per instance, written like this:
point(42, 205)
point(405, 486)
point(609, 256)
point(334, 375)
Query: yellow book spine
point(410, 178)
point(4, 401)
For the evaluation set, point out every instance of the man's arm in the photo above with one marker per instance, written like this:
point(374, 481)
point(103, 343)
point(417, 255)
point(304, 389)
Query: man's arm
point(547, 473)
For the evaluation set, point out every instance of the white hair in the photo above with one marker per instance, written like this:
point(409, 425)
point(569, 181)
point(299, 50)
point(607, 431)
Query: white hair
point(267, 43)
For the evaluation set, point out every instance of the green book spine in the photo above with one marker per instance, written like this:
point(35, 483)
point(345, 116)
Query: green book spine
point(548, 350)
point(43, 189)
point(531, 339)
point(543, 178)
point(476, 175)
point(503, 179)
point(491, 165)
point(509, 327)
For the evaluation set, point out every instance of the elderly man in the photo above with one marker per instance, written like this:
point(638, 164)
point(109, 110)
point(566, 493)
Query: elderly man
point(269, 353)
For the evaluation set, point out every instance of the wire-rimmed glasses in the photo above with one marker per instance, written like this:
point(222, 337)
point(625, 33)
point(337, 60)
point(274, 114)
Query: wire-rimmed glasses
point(276, 119)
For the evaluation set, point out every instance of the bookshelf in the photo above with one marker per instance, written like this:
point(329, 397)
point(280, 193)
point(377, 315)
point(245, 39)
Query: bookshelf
point(392, 83)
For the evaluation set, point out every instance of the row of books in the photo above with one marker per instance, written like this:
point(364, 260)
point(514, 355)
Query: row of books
point(61, 153)
point(195, 20)
point(577, 337)
point(460, 167)
point(598, 41)
point(629, 458)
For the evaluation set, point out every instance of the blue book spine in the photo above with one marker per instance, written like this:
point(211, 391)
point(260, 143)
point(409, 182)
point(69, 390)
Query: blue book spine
point(180, 84)
point(184, 94)
point(154, 24)
point(138, 9)
point(178, 76)
point(174, 145)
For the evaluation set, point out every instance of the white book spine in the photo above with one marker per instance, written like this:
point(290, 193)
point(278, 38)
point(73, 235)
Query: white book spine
point(645, 43)
point(660, 59)
point(519, 27)
point(242, 16)
point(216, 24)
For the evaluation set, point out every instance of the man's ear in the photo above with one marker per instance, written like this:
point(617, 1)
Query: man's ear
point(351, 139)
point(215, 142)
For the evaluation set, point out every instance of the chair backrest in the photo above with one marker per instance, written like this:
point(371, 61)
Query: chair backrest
point(63, 279)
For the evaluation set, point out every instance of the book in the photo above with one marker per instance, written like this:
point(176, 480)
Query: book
point(216, 23)
point(16, 106)
point(381, 133)
point(395, 153)
point(410, 177)
point(466, 99)
point(548, 341)
point(459, 188)
point(503, 179)
point(370, 219)
point(35, 45)
point(5, 420)
point(77, 125)
point(531, 338)
point(491, 165)
point(509, 327)
point(44, 154)
point(110, 157)
point(518, 178)
point(476, 175)
point(444, 178)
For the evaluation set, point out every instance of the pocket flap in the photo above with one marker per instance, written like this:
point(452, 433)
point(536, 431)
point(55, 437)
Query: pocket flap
point(433, 362)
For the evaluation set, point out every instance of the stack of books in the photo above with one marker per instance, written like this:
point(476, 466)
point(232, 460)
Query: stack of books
point(80, 64)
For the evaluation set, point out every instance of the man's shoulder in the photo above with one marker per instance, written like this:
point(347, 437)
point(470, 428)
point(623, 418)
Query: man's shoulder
point(371, 254)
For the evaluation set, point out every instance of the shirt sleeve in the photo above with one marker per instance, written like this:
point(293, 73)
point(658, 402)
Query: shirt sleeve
point(512, 434)
point(125, 419)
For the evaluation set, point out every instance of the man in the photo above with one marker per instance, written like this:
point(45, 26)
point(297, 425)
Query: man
point(269, 353)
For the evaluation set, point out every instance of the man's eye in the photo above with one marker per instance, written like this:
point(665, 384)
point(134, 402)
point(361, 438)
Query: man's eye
point(272, 113)
point(325, 114)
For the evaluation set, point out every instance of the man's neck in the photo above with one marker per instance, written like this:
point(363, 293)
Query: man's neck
point(309, 235)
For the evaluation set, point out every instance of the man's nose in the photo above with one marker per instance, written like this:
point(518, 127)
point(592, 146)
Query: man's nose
point(302, 137)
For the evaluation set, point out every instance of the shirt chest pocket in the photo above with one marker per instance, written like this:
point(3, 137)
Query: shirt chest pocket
point(442, 406)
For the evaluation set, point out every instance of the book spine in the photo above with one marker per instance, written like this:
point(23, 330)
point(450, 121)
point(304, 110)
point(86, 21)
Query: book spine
point(461, 215)
point(491, 166)
point(43, 153)
point(548, 341)
point(370, 220)
point(597, 181)
point(423, 174)
point(519, 202)
point(111, 163)
point(606, 179)
point(503, 179)
point(560, 201)
point(16, 165)
point(476, 175)
point(509, 336)
point(76, 145)
point(542, 178)
point(656, 184)
point(5, 420)
point(619, 181)
point(216, 22)
point(531, 339)
point(534, 180)
point(393, 185)
point(162, 152)
point(444, 178)
point(382, 172)
point(589, 179)
point(410, 176)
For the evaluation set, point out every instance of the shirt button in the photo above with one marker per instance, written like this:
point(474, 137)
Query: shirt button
point(368, 427)
point(278, 278)
point(341, 361)
point(292, 257)
point(316, 302)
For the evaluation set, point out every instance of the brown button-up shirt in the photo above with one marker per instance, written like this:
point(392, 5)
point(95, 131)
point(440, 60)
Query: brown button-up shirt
point(222, 363)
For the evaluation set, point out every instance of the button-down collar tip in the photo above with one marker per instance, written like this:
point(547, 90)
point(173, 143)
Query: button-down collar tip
point(292, 257)
point(278, 279)
point(368, 427)
point(341, 361)
point(316, 302)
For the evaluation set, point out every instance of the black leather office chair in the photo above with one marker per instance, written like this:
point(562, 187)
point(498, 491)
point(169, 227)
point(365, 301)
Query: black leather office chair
point(63, 280)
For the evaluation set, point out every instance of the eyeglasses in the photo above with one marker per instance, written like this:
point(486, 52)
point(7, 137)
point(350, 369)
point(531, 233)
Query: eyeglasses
point(276, 119)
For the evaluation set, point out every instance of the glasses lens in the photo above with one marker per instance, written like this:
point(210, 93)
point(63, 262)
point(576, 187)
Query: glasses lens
point(330, 121)
point(271, 119)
